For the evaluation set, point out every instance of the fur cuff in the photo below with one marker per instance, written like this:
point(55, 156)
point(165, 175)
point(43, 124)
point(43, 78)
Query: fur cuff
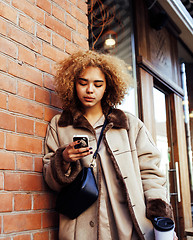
point(58, 171)
point(158, 208)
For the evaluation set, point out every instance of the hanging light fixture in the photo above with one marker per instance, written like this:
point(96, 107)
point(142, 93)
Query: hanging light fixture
point(110, 40)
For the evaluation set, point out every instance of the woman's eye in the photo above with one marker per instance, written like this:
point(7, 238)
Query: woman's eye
point(82, 83)
point(98, 85)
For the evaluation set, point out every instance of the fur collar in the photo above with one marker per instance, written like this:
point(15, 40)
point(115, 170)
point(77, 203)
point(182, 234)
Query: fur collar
point(116, 118)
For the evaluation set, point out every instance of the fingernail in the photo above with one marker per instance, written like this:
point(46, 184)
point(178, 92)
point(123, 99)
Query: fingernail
point(91, 152)
point(90, 147)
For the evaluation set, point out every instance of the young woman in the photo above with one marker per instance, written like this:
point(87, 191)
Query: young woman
point(131, 186)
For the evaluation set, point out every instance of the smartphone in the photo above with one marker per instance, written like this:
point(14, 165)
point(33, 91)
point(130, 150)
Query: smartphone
point(83, 141)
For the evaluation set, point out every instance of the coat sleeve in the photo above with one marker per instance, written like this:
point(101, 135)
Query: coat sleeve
point(153, 179)
point(53, 170)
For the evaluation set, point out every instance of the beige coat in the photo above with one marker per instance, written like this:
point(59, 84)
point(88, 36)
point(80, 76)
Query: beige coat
point(135, 159)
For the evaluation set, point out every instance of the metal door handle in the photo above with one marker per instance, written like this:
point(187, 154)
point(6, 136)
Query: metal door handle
point(178, 193)
point(178, 182)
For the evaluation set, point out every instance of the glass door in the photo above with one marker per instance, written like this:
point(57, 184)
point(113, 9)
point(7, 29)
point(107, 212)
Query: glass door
point(164, 141)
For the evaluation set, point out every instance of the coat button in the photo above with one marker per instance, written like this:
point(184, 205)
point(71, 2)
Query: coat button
point(91, 223)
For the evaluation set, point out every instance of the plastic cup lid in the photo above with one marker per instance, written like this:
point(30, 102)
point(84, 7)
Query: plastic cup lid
point(163, 224)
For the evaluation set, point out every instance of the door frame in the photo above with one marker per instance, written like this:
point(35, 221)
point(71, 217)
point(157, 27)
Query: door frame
point(146, 113)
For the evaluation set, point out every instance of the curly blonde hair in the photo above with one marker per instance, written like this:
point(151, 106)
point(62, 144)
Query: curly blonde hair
point(114, 69)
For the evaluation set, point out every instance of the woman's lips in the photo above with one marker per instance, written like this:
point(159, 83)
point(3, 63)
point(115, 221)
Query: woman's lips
point(89, 99)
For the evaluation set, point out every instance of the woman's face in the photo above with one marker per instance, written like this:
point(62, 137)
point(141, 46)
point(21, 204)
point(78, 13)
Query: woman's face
point(90, 87)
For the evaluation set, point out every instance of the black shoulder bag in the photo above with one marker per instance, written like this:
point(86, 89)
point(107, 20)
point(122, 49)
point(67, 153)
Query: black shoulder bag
point(82, 192)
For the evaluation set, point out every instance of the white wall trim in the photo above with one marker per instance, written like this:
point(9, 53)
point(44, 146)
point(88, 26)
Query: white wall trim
point(181, 17)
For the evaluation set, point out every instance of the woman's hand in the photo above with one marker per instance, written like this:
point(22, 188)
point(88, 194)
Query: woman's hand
point(70, 154)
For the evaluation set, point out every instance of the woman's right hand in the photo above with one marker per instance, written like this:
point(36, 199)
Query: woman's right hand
point(70, 154)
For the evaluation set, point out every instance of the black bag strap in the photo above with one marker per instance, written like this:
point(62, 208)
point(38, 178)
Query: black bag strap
point(98, 143)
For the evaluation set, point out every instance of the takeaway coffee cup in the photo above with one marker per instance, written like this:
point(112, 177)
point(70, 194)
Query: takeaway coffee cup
point(163, 228)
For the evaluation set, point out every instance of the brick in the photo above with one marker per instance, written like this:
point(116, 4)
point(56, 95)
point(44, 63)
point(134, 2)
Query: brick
point(42, 95)
point(55, 100)
point(2, 138)
point(24, 163)
point(48, 81)
point(22, 237)
point(49, 219)
point(1, 186)
point(8, 47)
point(53, 69)
point(79, 40)
point(64, 4)
point(41, 201)
point(43, 64)
point(25, 72)
point(22, 202)
point(23, 182)
point(82, 29)
point(50, 113)
point(58, 13)
point(43, 33)
point(3, 100)
point(26, 90)
point(21, 222)
point(82, 5)
point(38, 164)
point(79, 15)
point(71, 21)
point(45, 5)
point(26, 56)
point(32, 182)
point(23, 143)
point(73, 1)
point(40, 129)
point(12, 181)
point(58, 41)
point(25, 107)
point(27, 24)
point(8, 12)
point(3, 27)
point(7, 121)
point(71, 47)
point(7, 83)
point(30, 10)
point(6, 238)
point(7, 161)
point(6, 202)
point(58, 27)
point(24, 38)
point(52, 53)
point(25, 125)
point(41, 235)
point(3, 63)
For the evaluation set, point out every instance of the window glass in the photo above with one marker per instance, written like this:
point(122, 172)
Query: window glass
point(111, 31)
point(161, 131)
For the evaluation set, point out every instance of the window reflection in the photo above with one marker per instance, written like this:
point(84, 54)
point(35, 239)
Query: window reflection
point(111, 22)
point(161, 131)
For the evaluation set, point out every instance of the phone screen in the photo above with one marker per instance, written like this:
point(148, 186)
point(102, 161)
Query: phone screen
point(83, 141)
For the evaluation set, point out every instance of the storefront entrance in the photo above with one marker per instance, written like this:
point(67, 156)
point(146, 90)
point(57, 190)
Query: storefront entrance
point(164, 142)
point(125, 29)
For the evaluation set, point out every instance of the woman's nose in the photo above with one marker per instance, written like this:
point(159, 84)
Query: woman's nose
point(89, 88)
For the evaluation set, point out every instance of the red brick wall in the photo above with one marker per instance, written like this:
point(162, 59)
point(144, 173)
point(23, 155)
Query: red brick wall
point(34, 35)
